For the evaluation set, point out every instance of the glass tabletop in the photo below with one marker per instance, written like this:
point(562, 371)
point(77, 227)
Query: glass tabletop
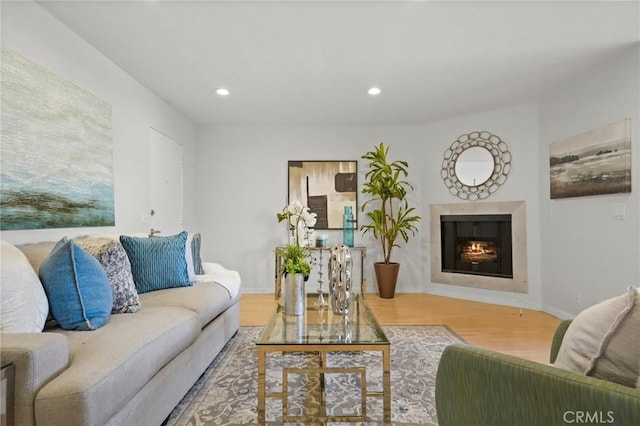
point(320, 326)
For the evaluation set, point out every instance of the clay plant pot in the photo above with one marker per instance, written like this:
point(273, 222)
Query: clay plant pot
point(387, 277)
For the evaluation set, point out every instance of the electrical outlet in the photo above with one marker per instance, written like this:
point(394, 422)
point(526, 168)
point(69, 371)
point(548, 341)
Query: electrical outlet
point(620, 211)
point(576, 297)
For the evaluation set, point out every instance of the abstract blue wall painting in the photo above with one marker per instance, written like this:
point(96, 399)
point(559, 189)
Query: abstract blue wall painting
point(56, 151)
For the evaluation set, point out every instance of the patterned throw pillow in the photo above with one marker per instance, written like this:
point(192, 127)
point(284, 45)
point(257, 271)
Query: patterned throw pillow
point(157, 263)
point(77, 287)
point(115, 262)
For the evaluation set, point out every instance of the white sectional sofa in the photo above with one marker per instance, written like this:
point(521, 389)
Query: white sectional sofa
point(131, 371)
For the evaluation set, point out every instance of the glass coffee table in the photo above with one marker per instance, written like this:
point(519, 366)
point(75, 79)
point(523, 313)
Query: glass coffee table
point(320, 334)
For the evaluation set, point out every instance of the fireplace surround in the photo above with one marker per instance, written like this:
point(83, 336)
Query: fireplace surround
point(487, 245)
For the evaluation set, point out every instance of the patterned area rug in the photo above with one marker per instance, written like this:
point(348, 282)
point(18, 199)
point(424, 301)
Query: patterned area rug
point(227, 392)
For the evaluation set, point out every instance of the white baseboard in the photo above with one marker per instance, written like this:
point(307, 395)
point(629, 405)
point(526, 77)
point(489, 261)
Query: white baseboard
point(494, 299)
point(253, 290)
point(557, 312)
point(310, 289)
point(487, 298)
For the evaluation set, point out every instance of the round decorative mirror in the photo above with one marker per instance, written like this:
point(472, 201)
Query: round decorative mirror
point(476, 165)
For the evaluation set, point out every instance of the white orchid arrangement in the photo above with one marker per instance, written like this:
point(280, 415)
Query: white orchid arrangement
point(300, 221)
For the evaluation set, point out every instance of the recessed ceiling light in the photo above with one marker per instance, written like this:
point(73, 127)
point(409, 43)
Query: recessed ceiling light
point(222, 91)
point(374, 91)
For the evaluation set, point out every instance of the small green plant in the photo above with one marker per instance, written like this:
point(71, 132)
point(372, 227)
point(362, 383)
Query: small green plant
point(295, 260)
point(393, 217)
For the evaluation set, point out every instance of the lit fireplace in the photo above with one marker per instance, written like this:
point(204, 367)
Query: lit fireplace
point(498, 227)
point(478, 252)
point(477, 244)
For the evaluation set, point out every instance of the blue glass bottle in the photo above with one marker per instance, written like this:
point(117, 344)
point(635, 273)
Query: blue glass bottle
point(347, 227)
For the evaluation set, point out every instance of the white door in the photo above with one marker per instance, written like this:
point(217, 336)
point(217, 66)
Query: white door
point(165, 184)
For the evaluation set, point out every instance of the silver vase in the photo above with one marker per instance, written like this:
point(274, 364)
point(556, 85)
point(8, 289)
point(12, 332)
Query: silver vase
point(293, 328)
point(340, 279)
point(294, 294)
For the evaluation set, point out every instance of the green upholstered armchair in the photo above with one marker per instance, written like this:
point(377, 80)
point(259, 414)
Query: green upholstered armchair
point(480, 387)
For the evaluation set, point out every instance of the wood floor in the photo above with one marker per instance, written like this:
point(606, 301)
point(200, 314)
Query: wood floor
point(525, 333)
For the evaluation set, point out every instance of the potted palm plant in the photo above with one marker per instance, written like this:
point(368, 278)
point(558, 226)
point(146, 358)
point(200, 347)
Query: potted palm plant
point(392, 218)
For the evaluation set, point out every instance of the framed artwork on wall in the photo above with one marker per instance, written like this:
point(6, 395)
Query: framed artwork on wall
point(592, 163)
point(56, 152)
point(326, 187)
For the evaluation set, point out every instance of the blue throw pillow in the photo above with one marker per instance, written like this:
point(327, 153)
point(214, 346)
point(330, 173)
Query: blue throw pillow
point(157, 263)
point(77, 287)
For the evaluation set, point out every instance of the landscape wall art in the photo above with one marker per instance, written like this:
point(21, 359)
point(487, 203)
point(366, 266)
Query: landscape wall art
point(592, 163)
point(57, 151)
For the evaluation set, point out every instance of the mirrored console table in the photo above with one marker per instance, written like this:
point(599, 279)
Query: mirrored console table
point(324, 256)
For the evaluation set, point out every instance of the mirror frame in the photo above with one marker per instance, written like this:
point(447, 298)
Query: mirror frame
point(501, 165)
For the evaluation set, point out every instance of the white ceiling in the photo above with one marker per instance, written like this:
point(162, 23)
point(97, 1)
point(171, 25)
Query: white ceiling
point(312, 62)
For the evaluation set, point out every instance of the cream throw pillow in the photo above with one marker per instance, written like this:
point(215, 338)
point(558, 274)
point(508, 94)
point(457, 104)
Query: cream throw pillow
point(603, 341)
point(24, 306)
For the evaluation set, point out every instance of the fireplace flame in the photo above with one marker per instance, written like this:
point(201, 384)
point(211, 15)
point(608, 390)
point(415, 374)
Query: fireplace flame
point(479, 251)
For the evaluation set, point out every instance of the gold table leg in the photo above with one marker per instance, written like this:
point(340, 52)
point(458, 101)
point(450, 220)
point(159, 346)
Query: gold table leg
point(261, 385)
point(278, 281)
point(386, 383)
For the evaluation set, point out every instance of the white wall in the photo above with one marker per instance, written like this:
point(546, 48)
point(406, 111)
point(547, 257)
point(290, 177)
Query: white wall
point(243, 184)
point(518, 127)
point(587, 253)
point(243, 178)
point(30, 31)
point(236, 176)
